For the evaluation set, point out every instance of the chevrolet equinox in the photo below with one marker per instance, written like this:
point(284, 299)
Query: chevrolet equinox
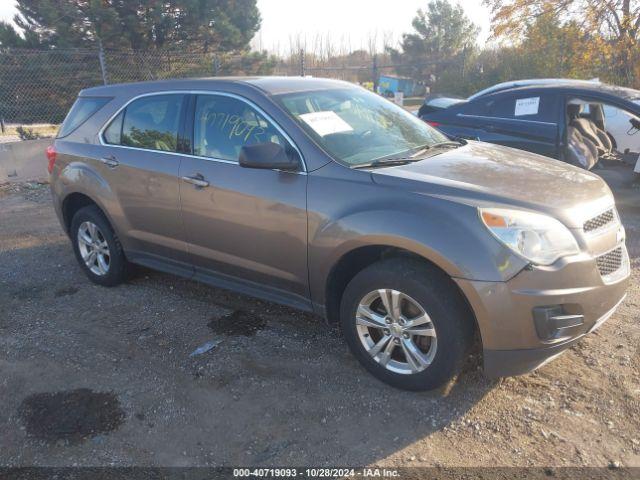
point(320, 195)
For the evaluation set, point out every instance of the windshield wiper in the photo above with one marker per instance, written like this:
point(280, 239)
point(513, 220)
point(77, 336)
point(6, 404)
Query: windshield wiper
point(425, 148)
point(386, 162)
point(416, 156)
point(447, 144)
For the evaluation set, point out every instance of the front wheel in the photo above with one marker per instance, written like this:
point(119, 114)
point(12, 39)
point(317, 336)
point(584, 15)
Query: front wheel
point(407, 324)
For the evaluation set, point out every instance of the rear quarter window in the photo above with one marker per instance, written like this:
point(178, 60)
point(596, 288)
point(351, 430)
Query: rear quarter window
point(81, 111)
point(113, 133)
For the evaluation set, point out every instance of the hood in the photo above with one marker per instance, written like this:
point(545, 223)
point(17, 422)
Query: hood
point(490, 175)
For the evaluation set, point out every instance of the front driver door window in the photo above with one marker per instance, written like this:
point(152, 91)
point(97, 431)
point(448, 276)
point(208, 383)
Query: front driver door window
point(223, 125)
point(247, 225)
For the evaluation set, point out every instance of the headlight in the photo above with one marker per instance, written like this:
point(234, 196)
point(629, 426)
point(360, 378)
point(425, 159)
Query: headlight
point(538, 238)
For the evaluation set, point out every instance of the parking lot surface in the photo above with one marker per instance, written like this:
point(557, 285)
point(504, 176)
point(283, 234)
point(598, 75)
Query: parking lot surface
point(95, 376)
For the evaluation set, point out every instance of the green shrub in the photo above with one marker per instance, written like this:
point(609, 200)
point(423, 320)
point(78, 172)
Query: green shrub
point(27, 134)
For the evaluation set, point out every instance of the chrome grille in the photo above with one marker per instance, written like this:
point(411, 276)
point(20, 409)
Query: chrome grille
point(610, 262)
point(599, 221)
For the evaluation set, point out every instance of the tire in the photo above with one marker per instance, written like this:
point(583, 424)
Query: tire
point(436, 295)
point(114, 258)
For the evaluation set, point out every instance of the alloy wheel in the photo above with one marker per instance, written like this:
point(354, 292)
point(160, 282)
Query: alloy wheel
point(396, 331)
point(93, 248)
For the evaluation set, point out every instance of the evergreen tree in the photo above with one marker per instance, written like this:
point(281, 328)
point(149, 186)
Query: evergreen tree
point(442, 34)
point(196, 25)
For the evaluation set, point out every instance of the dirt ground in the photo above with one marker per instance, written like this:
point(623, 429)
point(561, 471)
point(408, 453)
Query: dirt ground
point(93, 376)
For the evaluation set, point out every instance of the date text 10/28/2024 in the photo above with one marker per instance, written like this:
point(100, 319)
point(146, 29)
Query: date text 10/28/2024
point(366, 472)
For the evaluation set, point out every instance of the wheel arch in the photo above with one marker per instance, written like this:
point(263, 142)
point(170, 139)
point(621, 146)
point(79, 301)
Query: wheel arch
point(72, 203)
point(357, 259)
point(79, 186)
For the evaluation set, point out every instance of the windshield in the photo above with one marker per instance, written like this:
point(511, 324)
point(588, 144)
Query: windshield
point(357, 127)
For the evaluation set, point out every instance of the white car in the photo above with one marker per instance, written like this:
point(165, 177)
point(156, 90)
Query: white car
point(619, 126)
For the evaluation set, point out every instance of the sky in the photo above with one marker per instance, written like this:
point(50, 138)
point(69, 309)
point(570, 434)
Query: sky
point(7, 9)
point(349, 23)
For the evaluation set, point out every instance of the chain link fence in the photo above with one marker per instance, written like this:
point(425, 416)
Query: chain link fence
point(37, 88)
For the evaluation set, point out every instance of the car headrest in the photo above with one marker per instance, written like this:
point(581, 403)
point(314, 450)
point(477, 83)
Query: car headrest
point(574, 110)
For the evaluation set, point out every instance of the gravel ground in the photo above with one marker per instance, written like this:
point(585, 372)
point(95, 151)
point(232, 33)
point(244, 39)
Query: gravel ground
point(94, 376)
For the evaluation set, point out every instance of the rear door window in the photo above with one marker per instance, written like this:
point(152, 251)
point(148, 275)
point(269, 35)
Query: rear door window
point(150, 123)
point(503, 107)
point(527, 106)
point(479, 106)
point(82, 110)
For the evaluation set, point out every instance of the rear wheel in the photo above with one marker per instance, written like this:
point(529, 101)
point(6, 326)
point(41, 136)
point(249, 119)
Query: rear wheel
point(97, 247)
point(407, 324)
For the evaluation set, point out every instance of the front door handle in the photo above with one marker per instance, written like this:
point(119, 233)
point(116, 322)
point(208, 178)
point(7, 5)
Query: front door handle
point(110, 161)
point(197, 180)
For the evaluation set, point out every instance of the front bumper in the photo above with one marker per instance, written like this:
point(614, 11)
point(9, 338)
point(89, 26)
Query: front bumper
point(505, 311)
point(505, 363)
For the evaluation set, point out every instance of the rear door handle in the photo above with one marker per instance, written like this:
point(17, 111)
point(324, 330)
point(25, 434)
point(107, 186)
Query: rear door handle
point(197, 180)
point(110, 161)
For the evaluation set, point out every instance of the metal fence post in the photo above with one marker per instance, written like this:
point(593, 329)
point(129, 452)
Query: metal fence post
point(216, 66)
point(302, 62)
point(374, 72)
point(103, 63)
point(464, 63)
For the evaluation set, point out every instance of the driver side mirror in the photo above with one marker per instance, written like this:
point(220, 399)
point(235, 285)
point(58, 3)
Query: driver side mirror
point(269, 156)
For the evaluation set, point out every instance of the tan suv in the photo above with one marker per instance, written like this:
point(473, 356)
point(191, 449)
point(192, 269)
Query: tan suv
point(320, 195)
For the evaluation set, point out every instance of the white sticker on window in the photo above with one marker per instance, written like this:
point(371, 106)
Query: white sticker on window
point(326, 123)
point(527, 106)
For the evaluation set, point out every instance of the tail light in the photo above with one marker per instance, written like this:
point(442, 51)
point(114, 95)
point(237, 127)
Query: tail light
point(434, 124)
point(51, 156)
